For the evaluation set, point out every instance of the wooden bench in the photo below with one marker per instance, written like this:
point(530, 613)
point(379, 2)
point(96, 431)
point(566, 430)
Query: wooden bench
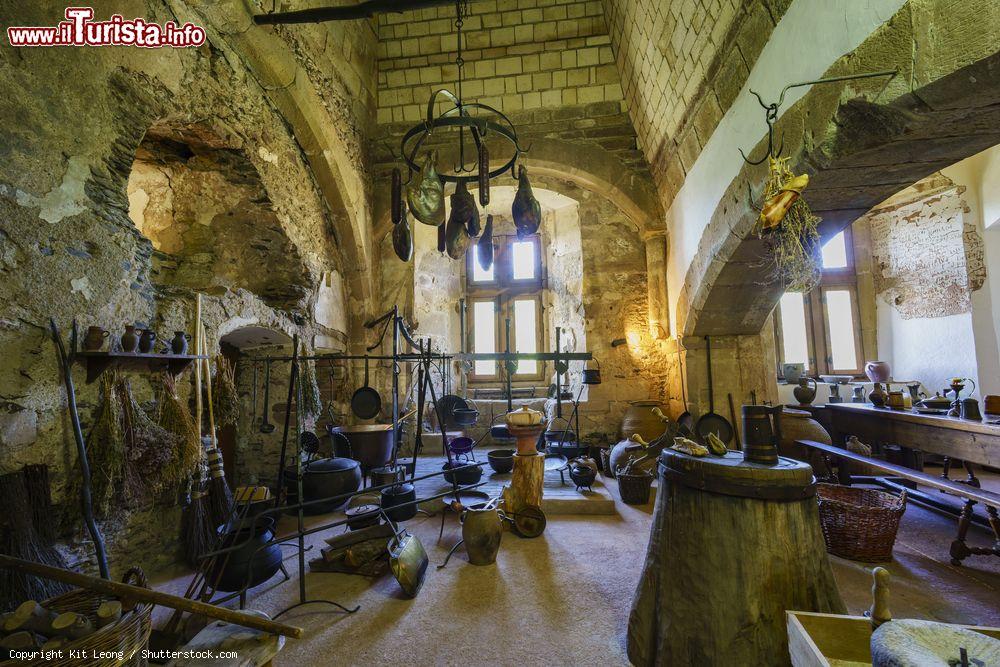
point(969, 491)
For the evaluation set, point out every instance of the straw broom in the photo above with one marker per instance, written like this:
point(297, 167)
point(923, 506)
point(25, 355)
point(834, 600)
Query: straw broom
point(220, 498)
point(198, 533)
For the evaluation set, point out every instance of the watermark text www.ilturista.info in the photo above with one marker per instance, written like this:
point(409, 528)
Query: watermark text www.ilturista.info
point(79, 29)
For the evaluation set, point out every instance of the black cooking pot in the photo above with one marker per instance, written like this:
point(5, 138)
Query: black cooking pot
point(461, 472)
point(324, 478)
point(397, 495)
point(501, 460)
point(363, 516)
point(249, 565)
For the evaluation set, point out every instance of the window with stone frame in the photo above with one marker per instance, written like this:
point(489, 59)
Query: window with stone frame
point(822, 328)
point(511, 290)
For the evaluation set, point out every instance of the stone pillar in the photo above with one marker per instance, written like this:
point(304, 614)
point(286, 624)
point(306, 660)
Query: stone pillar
point(656, 284)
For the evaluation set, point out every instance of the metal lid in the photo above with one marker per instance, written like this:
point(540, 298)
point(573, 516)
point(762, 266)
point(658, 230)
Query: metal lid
point(336, 464)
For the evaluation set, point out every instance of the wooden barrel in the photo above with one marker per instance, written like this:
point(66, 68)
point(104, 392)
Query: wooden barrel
point(761, 432)
point(732, 546)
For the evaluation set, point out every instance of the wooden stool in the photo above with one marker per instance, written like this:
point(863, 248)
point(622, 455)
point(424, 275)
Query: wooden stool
point(732, 546)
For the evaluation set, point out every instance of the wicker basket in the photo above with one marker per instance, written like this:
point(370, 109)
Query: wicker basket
point(634, 488)
point(127, 637)
point(606, 463)
point(859, 524)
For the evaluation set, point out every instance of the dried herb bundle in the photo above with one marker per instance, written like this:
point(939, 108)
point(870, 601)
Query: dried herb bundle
point(149, 449)
point(105, 450)
point(794, 244)
point(226, 400)
point(175, 418)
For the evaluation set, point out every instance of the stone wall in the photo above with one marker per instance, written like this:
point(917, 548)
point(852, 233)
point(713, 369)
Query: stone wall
point(682, 65)
point(519, 55)
point(927, 258)
point(69, 250)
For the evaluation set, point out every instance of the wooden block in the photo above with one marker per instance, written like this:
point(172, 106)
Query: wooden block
point(29, 616)
point(72, 625)
point(109, 612)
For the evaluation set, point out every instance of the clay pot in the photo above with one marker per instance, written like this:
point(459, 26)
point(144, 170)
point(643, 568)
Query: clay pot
point(622, 452)
point(877, 371)
point(482, 530)
point(146, 341)
point(179, 343)
point(805, 394)
point(639, 418)
point(94, 340)
point(799, 425)
point(877, 396)
point(130, 341)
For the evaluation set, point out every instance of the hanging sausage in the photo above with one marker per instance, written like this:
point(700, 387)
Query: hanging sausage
point(402, 240)
point(526, 210)
point(484, 175)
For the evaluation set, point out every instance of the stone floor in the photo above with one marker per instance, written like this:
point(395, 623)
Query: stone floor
point(563, 599)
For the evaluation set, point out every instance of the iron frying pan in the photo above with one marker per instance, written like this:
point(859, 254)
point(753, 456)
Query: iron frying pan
point(366, 402)
point(711, 422)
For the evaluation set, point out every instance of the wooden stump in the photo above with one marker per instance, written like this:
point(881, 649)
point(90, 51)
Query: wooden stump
point(526, 482)
point(733, 545)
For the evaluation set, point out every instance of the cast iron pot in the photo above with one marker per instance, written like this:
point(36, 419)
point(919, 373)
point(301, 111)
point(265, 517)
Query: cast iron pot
point(501, 460)
point(461, 473)
point(397, 495)
point(322, 479)
point(363, 516)
point(247, 566)
point(370, 444)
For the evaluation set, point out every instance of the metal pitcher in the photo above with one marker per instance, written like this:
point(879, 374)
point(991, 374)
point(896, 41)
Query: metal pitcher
point(761, 433)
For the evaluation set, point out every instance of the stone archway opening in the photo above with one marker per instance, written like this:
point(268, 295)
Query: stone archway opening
point(203, 206)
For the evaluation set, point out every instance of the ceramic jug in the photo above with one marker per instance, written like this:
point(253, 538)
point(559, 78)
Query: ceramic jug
point(482, 530)
point(130, 340)
point(146, 341)
point(94, 340)
point(969, 409)
point(804, 393)
point(179, 343)
point(877, 371)
point(877, 396)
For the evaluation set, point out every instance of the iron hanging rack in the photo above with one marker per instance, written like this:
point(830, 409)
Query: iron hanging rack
point(771, 110)
point(362, 10)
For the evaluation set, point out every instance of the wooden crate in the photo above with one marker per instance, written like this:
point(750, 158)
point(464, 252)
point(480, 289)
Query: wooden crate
point(832, 640)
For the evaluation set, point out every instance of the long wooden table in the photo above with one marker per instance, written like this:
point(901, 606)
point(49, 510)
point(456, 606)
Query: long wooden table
point(968, 441)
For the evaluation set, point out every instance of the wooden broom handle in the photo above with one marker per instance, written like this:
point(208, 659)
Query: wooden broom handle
point(140, 594)
point(197, 366)
point(208, 388)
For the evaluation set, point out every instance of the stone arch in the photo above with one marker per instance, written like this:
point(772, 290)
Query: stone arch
point(857, 153)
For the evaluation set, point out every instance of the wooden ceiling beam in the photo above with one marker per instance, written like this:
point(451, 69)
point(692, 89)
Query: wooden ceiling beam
point(361, 10)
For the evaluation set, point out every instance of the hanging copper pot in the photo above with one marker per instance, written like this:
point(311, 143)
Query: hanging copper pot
point(485, 245)
point(526, 210)
point(425, 193)
point(402, 240)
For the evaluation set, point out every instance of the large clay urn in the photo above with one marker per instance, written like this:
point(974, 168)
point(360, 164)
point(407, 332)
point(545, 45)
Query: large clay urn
point(639, 418)
point(799, 425)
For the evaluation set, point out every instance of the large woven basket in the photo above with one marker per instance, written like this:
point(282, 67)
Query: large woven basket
point(859, 524)
point(634, 488)
point(126, 638)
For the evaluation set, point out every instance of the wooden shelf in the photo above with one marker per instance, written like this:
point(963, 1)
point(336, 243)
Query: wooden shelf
point(98, 362)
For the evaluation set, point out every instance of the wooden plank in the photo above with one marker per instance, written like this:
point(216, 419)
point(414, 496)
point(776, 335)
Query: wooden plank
point(956, 488)
point(941, 421)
